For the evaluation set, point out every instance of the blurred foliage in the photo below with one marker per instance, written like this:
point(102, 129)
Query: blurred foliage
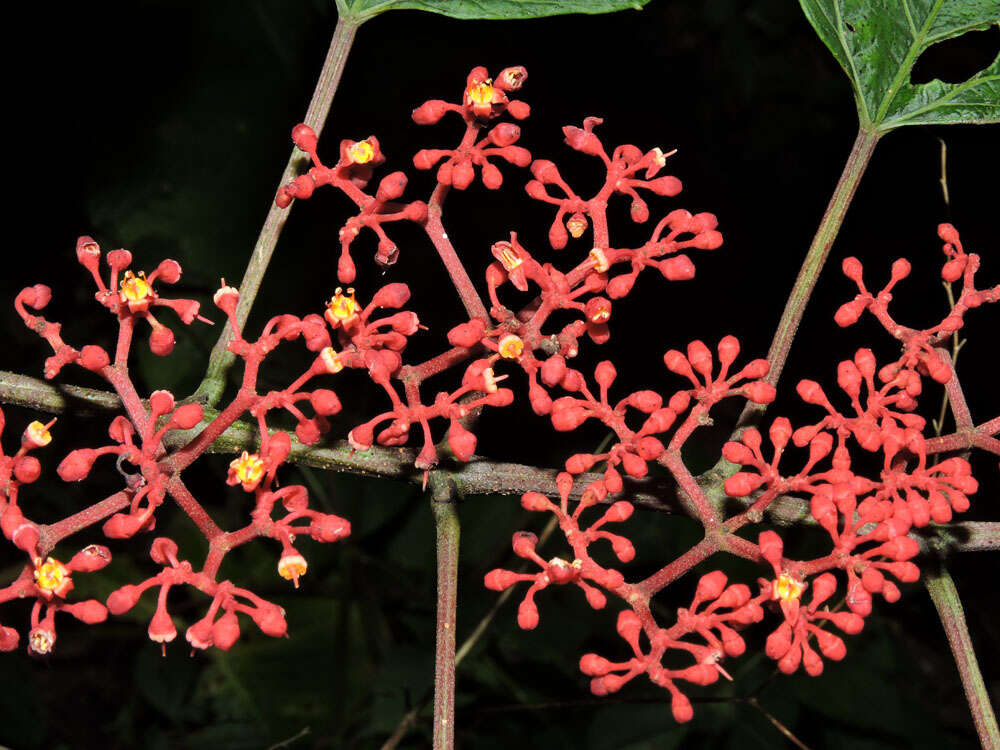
point(165, 133)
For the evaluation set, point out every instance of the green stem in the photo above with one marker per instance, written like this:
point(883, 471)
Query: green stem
point(478, 476)
point(211, 388)
point(857, 162)
point(949, 607)
point(444, 504)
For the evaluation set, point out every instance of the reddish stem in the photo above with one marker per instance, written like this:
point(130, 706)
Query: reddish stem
point(50, 535)
point(183, 497)
point(471, 300)
point(670, 573)
point(691, 495)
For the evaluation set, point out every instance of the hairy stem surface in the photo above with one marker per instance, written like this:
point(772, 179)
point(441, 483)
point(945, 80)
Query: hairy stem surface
point(819, 250)
point(211, 388)
point(949, 607)
point(444, 504)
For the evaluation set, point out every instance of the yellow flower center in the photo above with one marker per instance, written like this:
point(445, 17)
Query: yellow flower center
point(135, 288)
point(361, 152)
point(788, 588)
point(481, 93)
point(39, 434)
point(510, 346)
point(292, 567)
point(248, 468)
point(331, 359)
point(51, 575)
point(600, 260)
point(341, 307)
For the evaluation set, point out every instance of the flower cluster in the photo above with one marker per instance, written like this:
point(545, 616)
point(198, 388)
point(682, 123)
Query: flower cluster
point(158, 438)
point(868, 515)
point(43, 578)
point(868, 519)
point(484, 99)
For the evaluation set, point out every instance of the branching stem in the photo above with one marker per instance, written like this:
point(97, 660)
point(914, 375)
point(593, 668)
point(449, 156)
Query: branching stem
point(211, 388)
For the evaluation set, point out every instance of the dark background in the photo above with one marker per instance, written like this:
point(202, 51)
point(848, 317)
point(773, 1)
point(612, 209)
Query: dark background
point(163, 126)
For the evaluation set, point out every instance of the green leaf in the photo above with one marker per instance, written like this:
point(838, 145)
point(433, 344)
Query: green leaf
point(500, 10)
point(878, 41)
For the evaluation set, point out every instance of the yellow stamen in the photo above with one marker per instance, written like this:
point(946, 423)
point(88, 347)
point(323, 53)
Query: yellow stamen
point(360, 152)
point(660, 158)
point(135, 288)
point(788, 588)
point(40, 641)
point(510, 346)
point(576, 225)
point(481, 93)
point(490, 379)
point(331, 359)
point(341, 307)
point(600, 315)
point(248, 468)
point(600, 260)
point(51, 575)
point(39, 434)
point(292, 567)
point(506, 255)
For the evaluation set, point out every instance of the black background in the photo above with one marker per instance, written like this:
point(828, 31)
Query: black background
point(163, 126)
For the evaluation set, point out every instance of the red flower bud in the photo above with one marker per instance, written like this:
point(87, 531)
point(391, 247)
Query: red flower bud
point(467, 334)
point(304, 137)
point(593, 665)
point(187, 416)
point(500, 580)
point(324, 401)
point(518, 109)
point(326, 527)
point(271, 620)
point(430, 112)
point(852, 269)
point(553, 370)
point(681, 708)
point(90, 611)
point(391, 187)
point(605, 374)
point(771, 547)
point(161, 340)
point(123, 599)
point(94, 358)
point(308, 432)
point(527, 615)
point(27, 469)
point(122, 526)
point(77, 464)
point(226, 631)
point(90, 558)
point(8, 638)
point(461, 441)
point(742, 483)
point(492, 178)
